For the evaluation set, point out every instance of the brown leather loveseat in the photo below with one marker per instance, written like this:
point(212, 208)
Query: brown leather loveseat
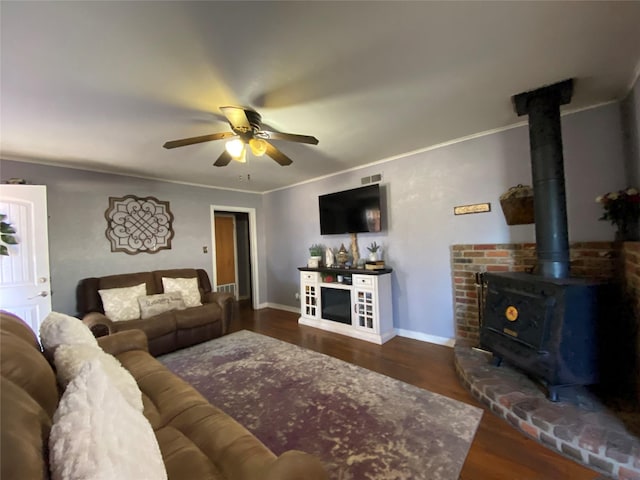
point(166, 331)
point(196, 440)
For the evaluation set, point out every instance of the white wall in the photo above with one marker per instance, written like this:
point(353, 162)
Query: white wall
point(78, 247)
point(422, 190)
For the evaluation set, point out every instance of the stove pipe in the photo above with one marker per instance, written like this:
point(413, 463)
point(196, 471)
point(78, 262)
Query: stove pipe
point(547, 167)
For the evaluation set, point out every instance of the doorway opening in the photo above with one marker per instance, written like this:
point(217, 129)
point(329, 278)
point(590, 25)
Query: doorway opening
point(234, 255)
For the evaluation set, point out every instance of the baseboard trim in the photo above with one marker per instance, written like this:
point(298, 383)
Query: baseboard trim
point(278, 306)
point(425, 337)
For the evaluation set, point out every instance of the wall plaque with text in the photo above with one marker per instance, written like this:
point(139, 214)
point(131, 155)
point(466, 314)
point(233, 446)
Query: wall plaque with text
point(475, 208)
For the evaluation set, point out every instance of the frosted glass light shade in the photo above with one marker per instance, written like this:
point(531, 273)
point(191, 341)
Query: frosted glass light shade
point(235, 147)
point(258, 146)
point(242, 158)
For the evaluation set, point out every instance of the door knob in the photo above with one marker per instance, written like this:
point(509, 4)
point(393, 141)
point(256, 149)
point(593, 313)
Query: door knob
point(41, 294)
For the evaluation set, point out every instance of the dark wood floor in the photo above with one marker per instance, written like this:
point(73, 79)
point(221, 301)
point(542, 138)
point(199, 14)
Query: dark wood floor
point(498, 450)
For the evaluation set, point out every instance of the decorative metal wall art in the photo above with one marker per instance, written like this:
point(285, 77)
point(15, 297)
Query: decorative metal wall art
point(136, 225)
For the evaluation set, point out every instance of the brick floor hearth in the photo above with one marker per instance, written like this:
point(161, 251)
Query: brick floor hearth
point(579, 426)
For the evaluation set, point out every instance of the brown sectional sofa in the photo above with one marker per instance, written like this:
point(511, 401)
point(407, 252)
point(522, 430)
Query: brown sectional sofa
point(167, 331)
point(197, 440)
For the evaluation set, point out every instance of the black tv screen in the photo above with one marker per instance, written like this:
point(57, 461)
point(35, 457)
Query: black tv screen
point(350, 211)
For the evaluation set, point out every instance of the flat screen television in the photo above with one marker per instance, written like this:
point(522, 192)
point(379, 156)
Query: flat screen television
point(350, 211)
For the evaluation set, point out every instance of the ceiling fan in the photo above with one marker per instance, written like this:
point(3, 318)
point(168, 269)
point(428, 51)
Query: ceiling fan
point(246, 124)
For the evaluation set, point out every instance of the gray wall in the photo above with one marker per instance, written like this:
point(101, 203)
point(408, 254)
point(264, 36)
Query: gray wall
point(422, 190)
point(78, 247)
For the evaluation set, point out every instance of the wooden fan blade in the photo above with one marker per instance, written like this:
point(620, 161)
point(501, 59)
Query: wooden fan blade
point(193, 140)
point(223, 160)
point(277, 155)
point(237, 117)
point(292, 137)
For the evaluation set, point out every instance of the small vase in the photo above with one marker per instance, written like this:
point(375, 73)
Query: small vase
point(628, 232)
point(314, 261)
point(329, 257)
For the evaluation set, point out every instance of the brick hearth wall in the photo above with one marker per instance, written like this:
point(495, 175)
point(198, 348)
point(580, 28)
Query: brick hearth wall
point(631, 259)
point(599, 260)
point(588, 260)
point(631, 268)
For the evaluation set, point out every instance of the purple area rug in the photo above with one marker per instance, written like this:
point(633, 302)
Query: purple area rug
point(363, 425)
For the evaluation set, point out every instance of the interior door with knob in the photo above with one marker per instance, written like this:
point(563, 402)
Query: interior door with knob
point(226, 257)
point(25, 287)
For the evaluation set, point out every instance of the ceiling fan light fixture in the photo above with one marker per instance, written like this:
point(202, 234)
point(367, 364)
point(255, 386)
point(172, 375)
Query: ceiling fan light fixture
point(235, 148)
point(246, 129)
point(258, 146)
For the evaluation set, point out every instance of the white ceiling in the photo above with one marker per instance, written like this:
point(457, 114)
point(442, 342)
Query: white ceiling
point(102, 85)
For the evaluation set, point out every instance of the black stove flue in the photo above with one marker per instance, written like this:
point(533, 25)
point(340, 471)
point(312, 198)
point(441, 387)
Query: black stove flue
point(545, 323)
point(547, 172)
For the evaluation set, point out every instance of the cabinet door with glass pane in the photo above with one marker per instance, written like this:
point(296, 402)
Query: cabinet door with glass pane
point(309, 301)
point(364, 303)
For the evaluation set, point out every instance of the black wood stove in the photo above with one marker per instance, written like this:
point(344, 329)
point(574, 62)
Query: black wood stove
point(545, 323)
point(545, 326)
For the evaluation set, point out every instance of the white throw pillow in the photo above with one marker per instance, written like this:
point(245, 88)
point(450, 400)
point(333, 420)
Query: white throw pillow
point(152, 305)
point(188, 287)
point(121, 304)
point(59, 329)
point(97, 435)
point(69, 360)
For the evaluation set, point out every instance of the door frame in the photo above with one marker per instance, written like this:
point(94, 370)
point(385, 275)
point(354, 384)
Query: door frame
point(253, 246)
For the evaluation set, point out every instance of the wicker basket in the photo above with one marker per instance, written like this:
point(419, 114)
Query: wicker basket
point(517, 205)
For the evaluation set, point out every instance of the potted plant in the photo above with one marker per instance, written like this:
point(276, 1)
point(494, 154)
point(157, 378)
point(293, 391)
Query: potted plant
point(373, 251)
point(315, 256)
point(622, 209)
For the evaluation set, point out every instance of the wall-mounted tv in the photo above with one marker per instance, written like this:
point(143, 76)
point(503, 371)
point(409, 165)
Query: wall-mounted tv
point(350, 211)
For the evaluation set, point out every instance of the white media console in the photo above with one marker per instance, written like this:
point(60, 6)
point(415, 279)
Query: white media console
point(359, 306)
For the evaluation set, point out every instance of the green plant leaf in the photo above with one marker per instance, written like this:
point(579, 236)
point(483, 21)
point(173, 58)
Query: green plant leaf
point(7, 235)
point(6, 228)
point(9, 239)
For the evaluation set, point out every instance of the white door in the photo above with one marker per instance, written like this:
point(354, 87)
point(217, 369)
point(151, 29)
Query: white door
point(25, 287)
